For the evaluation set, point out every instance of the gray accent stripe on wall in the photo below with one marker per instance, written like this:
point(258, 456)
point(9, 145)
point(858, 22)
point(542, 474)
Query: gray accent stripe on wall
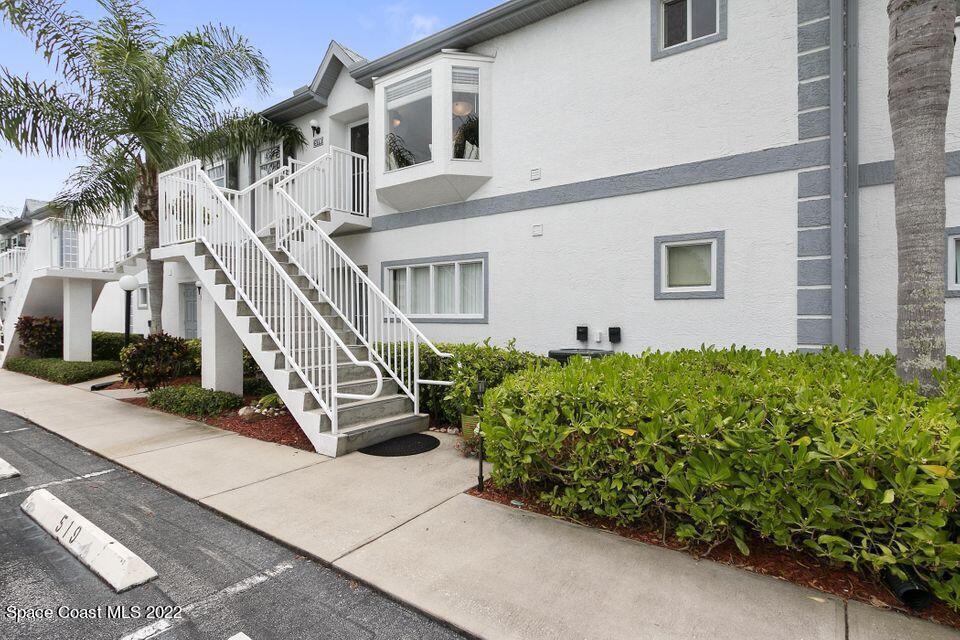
point(813, 183)
point(813, 36)
point(744, 165)
point(812, 65)
point(813, 331)
point(813, 213)
point(808, 10)
point(814, 94)
point(877, 173)
point(814, 124)
point(813, 302)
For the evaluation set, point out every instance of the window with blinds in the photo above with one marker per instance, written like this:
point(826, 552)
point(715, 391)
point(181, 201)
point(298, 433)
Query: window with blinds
point(465, 108)
point(449, 289)
point(688, 20)
point(409, 126)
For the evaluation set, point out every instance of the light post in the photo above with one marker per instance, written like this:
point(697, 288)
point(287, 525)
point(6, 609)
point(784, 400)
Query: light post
point(129, 284)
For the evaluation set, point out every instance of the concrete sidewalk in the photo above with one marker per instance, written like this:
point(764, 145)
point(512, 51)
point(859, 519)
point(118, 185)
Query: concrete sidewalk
point(405, 526)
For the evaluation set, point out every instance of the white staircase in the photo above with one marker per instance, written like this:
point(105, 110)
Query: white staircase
point(285, 292)
point(59, 249)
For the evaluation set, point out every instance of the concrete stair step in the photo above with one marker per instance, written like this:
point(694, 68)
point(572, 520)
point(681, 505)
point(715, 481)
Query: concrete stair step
point(365, 434)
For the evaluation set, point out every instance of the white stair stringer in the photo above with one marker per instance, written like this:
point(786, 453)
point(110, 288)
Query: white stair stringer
point(361, 422)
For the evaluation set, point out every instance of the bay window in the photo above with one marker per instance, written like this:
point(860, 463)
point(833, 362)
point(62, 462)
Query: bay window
point(443, 289)
point(465, 110)
point(409, 126)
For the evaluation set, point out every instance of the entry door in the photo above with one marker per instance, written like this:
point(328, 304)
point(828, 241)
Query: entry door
point(359, 144)
point(188, 309)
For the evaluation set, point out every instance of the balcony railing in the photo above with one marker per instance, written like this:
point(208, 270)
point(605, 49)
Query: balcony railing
point(11, 262)
point(336, 181)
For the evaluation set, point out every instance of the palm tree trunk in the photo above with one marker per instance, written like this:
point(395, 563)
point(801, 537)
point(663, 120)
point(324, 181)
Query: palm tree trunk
point(148, 206)
point(919, 60)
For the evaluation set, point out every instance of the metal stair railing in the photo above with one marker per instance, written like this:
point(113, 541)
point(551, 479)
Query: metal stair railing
point(390, 337)
point(194, 209)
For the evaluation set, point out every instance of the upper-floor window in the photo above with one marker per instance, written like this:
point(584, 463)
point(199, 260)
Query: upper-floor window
point(225, 173)
point(953, 262)
point(465, 110)
point(409, 127)
point(679, 25)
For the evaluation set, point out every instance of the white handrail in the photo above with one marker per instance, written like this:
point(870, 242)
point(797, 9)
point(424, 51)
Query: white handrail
point(11, 261)
point(193, 208)
point(254, 202)
point(392, 339)
point(335, 181)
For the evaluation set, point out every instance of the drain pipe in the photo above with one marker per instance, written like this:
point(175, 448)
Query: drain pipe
point(909, 589)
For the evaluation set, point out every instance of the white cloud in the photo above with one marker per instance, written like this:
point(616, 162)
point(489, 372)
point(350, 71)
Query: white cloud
point(404, 19)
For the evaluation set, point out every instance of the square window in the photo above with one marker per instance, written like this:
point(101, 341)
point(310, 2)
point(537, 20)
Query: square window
point(689, 266)
point(953, 262)
point(680, 25)
point(142, 298)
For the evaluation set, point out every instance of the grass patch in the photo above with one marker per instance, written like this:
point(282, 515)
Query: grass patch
point(61, 371)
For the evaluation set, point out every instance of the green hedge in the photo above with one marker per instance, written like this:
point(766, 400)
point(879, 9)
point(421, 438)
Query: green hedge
point(40, 337)
point(826, 452)
point(469, 364)
point(56, 370)
point(192, 400)
point(107, 345)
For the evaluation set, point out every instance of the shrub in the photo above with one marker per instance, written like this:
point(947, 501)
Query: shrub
point(155, 361)
point(257, 386)
point(827, 452)
point(56, 370)
point(40, 337)
point(470, 363)
point(107, 345)
point(192, 400)
point(250, 366)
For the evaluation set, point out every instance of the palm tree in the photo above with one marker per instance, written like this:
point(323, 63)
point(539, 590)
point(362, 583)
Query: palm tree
point(919, 61)
point(134, 102)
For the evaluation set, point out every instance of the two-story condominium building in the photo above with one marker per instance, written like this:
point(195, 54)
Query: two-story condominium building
point(676, 169)
point(614, 174)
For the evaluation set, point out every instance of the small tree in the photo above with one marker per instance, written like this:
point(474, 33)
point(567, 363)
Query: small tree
point(919, 62)
point(134, 102)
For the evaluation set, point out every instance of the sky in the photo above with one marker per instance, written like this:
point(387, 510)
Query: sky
point(292, 34)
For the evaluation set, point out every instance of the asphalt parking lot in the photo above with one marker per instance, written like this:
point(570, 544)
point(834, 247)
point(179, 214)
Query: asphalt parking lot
point(215, 579)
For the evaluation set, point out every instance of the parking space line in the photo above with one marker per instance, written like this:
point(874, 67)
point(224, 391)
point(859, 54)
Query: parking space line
point(239, 636)
point(56, 482)
point(15, 430)
point(207, 604)
point(7, 470)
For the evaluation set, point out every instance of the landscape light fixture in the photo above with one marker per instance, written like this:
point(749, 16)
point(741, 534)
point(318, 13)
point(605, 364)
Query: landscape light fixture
point(129, 284)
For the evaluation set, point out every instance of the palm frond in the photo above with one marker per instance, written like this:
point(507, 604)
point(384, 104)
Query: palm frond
point(62, 37)
point(39, 118)
point(210, 66)
point(109, 181)
point(234, 132)
point(127, 39)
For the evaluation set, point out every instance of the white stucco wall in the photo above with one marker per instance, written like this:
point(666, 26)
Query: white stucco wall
point(578, 96)
point(594, 266)
point(109, 310)
point(876, 141)
point(878, 269)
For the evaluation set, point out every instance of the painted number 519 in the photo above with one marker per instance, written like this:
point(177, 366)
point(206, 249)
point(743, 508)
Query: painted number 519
point(76, 531)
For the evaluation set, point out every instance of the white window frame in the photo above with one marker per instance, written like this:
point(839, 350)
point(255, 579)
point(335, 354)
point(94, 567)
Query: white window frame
point(407, 266)
point(662, 290)
point(690, 38)
point(953, 286)
point(665, 266)
point(143, 297)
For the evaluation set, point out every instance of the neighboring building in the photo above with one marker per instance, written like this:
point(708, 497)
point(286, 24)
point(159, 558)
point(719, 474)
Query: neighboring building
point(665, 167)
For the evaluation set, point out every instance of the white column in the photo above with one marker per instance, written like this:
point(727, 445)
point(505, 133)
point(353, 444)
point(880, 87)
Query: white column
point(77, 323)
point(221, 351)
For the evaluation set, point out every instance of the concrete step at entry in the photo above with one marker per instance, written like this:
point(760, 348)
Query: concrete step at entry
point(361, 411)
point(365, 434)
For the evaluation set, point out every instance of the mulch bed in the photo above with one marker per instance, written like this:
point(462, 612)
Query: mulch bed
point(120, 384)
point(282, 429)
point(765, 558)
